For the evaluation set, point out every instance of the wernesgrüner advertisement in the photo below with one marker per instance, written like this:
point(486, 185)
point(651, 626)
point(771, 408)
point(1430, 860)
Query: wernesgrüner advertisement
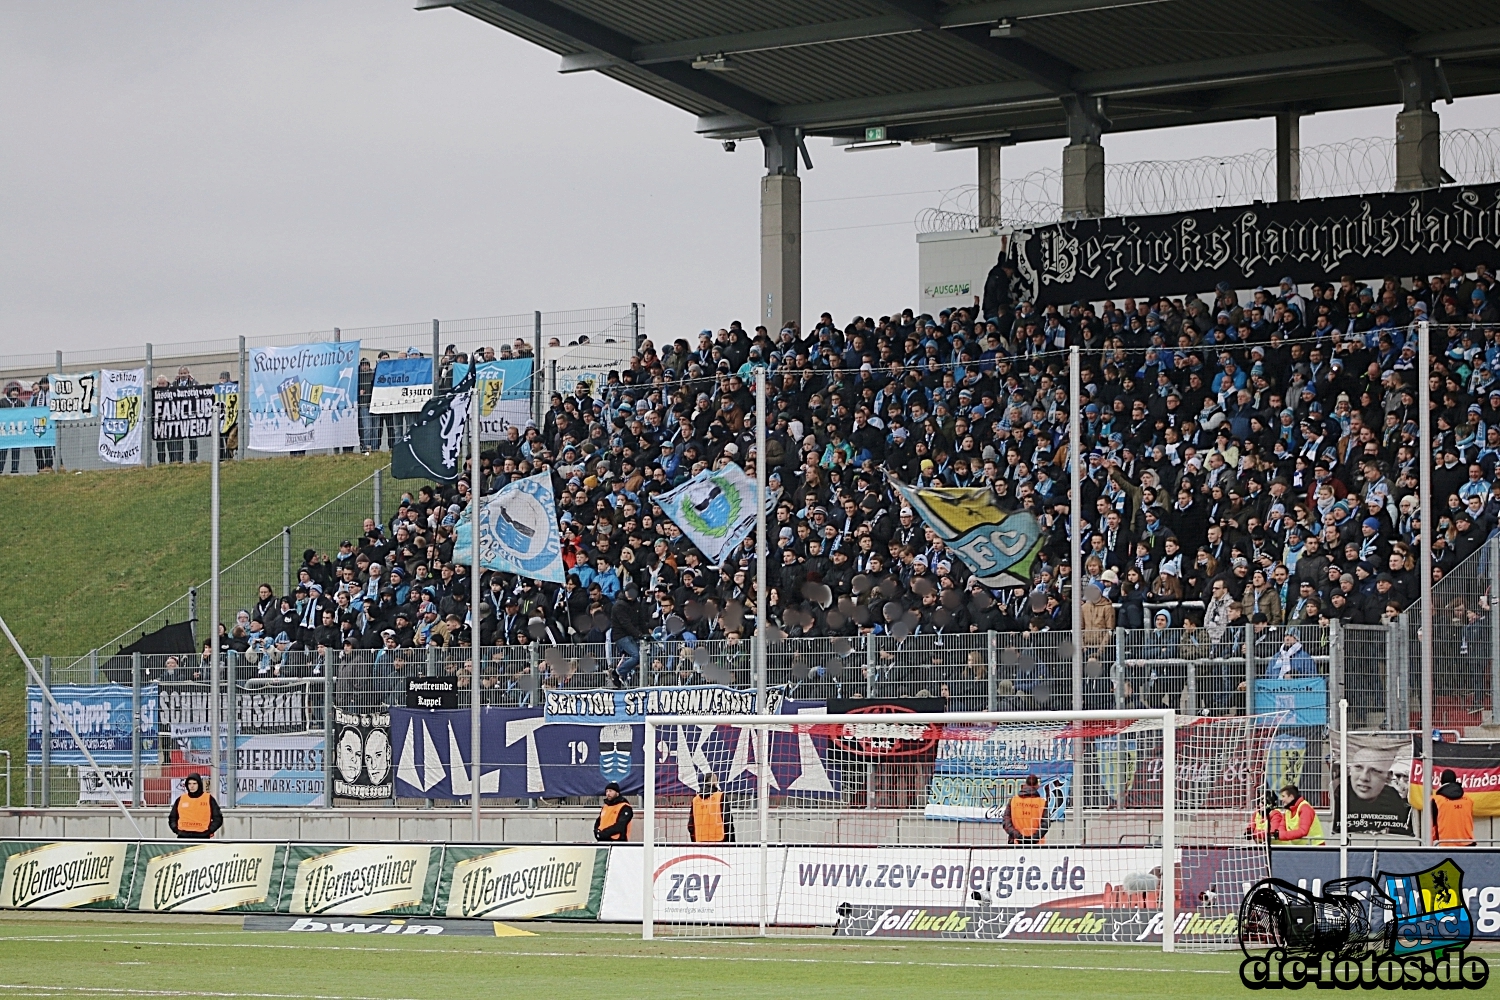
point(517, 883)
point(75, 874)
point(361, 880)
point(208, 878)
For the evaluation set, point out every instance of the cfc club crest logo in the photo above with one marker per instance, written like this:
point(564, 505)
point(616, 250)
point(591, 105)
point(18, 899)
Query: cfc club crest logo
point(1397, 932)
point(302, 400)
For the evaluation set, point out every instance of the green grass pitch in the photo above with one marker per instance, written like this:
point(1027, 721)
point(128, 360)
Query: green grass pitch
point(119, 957)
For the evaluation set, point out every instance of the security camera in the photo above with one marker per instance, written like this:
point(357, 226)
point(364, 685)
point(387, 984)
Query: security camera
point(728, 145)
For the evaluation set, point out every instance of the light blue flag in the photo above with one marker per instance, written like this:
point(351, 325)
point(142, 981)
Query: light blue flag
point(518, 529)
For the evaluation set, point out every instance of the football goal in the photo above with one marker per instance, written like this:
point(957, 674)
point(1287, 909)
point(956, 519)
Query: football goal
point(1106, 826)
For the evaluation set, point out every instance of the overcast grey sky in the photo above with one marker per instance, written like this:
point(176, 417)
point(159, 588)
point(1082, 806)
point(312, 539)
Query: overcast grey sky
point(173, 169)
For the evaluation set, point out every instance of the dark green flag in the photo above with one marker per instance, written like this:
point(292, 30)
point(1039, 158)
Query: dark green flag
point(434, 445)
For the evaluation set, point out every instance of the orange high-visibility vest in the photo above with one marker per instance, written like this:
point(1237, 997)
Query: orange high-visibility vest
point(1026, 813)
point(1454, 826)
point(194, 815)
point(708, 818)
point(608, 814)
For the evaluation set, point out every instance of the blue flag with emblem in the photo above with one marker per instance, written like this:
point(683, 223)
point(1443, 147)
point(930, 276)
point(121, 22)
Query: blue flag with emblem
point(998, 546)
point(517, 531)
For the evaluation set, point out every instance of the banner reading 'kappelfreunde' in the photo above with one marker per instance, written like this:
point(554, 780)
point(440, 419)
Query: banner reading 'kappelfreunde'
point(304, 397)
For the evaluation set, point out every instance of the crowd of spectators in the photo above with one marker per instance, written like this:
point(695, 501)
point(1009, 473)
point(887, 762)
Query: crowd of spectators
point(1249, 468)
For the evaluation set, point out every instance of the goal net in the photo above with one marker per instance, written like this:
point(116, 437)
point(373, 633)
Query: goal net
point(1044, 826)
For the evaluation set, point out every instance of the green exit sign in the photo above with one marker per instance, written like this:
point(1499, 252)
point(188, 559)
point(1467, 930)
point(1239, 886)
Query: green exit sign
point(875, 133)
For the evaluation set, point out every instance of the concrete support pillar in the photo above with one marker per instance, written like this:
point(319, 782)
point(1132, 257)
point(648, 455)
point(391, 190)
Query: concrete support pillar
point(989, 184)
point(780, 230)
point(1289, 156)
point(1083, 159)
point(1418, 149)
point(1082, 181)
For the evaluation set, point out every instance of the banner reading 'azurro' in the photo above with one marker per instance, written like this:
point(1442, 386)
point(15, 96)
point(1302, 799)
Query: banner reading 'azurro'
point(1418, 232)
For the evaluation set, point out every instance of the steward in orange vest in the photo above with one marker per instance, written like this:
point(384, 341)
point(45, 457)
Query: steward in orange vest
point(710, 821)
point(615, 815)
point(195, 815)
point(1452, 814)
point(1025, 818)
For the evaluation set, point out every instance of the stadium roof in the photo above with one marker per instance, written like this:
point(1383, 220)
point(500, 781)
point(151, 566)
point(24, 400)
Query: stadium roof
point(966, 70)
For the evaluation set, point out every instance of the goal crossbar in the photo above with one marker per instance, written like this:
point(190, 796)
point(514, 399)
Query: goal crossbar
point(762, 724)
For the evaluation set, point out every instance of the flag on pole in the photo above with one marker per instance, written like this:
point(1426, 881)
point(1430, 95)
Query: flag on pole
point(715, 509)
point(999, 547)
point(517, 530)
point(433, 447)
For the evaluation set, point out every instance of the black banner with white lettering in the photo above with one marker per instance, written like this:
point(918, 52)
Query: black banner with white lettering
point(182, 412)
point(1408, 233)
point(362, 756)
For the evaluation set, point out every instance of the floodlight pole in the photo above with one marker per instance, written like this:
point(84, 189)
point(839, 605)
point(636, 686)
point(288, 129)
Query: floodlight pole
point(67, 724)
point(475, 684)
point(1075, 559)
point(215, 692)
point(761, 546)
point(1424, 566)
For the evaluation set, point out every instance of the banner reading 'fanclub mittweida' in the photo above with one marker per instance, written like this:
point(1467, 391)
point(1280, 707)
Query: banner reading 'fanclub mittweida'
point(304, 397)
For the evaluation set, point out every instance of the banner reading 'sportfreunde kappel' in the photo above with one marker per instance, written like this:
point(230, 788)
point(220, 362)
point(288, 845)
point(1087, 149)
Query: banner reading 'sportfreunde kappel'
point(70, 875)
point(73, 396)
point(402, 385)
point(27, 427)
point(360, 879)
point(122, 394)
point(513, 883)
point(518, 531)
point(211, 877)
point(102, 715)
point(997, 545)
point(304, 397)
point(715, 509)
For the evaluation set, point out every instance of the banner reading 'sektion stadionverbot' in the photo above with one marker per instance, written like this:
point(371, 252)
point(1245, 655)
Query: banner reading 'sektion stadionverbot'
point(304, 397)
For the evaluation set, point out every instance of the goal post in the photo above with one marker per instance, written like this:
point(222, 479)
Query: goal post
point(903, 824)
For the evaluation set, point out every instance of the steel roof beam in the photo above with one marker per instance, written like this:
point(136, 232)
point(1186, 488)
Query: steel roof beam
point(581, 32)
point(1358, 21)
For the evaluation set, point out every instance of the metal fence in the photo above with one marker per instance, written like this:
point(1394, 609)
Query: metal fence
point(560, 334)
point(275, 562)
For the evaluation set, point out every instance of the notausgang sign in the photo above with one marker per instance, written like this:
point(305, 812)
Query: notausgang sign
point(1418, 232)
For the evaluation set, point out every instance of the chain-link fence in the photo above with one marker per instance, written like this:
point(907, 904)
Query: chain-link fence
point(574, 342)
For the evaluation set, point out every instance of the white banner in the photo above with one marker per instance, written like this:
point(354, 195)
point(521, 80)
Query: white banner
point(719, 884)
point(103, 784)
point(73, 397)
point(122, 396)
point(702, 884)
point(402, 385)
